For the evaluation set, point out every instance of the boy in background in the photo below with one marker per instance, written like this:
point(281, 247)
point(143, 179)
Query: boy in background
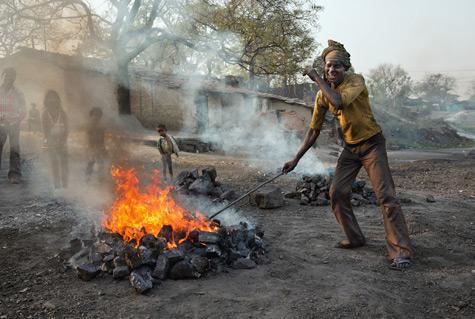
point(166, 146)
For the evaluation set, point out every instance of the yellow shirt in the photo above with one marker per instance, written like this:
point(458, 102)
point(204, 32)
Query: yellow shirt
point(356, 119)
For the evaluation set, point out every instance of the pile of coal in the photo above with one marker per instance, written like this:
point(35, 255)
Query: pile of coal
point(152, 260)
point(203, 184)
point(314, 190)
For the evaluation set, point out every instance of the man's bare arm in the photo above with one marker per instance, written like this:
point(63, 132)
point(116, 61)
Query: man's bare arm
point(309, 140)
point(331, 94)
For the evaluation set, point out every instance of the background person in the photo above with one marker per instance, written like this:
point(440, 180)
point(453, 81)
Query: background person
point(166, 146)
point(12, 112)
point(55, 128)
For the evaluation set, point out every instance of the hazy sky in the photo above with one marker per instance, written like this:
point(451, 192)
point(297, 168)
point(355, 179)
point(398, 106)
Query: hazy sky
point(420, 35)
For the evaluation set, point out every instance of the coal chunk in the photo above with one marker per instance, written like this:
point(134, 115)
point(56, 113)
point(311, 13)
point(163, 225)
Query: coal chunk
point(133, 259)
point(120, 272)
point(102, 248)
point(228, 195)
point(210, 172)
point(200, 264)
point(194, 173)
point(244, 263)
point(88, 271)
point(213, 250)
point(166, 232)
point(119, 261)
point(141, 280)
point(147, 255)
point(95, 258)
point(75, 245)
point(208, 237)
point(174, 256)
point(182, 178)
point(358, 186)
point(203, 186)
point(268, 197)
point(293, 195)
point(184, 270)
point(108, 263)
point(162, 266)
point(154, 244)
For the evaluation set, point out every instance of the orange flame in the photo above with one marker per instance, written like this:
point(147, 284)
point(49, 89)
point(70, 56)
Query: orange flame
point(135, 213)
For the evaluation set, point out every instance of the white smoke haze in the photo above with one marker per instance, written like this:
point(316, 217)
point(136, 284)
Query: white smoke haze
point(266, 144)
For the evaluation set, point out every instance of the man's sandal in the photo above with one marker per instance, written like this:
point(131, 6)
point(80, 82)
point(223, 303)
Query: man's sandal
point(400, 263)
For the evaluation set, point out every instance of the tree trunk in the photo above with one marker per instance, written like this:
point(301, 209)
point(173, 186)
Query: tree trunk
point(252, 84)
point(123, 90)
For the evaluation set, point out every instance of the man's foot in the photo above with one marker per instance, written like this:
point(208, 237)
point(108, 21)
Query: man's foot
point(345, 244)
point(14, 180)
point(400, 263)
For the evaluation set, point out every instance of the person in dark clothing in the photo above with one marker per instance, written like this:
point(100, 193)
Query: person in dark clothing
point(95, 138)
point(12, 112)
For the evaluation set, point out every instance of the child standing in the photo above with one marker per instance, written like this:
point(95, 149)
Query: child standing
point(55, 128)
point(166, 146)
point(95, 139)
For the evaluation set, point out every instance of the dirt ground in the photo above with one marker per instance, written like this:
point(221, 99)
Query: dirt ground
point(305, 277)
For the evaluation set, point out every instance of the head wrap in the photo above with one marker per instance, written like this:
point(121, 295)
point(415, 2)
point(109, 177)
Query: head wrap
point(337, 51)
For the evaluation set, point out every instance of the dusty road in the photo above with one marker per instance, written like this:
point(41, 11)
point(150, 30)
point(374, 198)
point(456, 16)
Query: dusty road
point(305, 276)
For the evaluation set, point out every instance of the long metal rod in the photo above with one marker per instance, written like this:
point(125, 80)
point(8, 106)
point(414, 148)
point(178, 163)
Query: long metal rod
point(243, 196)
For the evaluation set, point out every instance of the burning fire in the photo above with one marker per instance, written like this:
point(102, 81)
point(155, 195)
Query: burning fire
point(136, 213)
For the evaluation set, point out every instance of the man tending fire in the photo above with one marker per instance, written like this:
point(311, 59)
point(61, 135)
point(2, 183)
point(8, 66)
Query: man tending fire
point(346, 96)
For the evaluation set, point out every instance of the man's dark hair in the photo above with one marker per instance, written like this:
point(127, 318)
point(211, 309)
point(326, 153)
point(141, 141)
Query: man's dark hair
point(162, 126)
point(95, 111)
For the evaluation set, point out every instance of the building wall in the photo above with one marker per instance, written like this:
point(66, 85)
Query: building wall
point(154, 103)
point(303, 112)
point(215, 110)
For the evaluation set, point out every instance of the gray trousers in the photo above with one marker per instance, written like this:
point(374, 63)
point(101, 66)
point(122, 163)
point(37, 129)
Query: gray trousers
point(371, 155)
point(167, 165)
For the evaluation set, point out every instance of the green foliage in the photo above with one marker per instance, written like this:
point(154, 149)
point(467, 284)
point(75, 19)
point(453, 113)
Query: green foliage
point(262, 37)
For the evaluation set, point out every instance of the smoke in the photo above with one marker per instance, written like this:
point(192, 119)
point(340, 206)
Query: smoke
point(265, 142)
point(204, 205)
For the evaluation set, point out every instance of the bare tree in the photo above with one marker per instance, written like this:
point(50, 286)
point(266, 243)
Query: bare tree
point(129, 27)
point(437, 88)
point(56, 25)
point(389, 85)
